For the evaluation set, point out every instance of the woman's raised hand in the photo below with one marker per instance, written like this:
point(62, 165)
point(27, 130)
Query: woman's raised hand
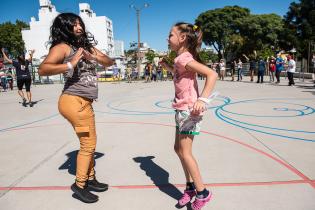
point(89, 56)
point(77, 57)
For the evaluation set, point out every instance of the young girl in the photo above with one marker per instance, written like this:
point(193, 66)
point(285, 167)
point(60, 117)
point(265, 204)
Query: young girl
point(72, 52)
point(185, 39)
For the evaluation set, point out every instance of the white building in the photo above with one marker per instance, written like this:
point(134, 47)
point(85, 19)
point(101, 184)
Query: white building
point(101, 27)
point(37, 36)
point(119, 48)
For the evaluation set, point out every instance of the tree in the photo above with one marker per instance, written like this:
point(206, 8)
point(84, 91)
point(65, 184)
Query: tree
point(11, 37)
point(219, 26)
point(131, 54)
point(150, 55)
point(299, 23)
point(207, 55)
point(260, 33)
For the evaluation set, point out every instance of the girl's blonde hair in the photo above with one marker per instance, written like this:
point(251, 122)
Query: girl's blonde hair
point(194, 38)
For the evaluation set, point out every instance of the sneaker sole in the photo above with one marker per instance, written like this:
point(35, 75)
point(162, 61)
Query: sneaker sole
point(207, 200)
point(77, 195)
point(97, 189)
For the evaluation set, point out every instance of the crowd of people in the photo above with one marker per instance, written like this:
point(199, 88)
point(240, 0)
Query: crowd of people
point(270, 67)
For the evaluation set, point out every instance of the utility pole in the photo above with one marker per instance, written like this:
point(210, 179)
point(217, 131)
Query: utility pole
point(145, 5)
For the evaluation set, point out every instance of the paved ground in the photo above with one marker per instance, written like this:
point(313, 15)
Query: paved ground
point(256, 150)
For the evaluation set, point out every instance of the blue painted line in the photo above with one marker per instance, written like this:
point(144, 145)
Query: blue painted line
point(132, 114)
point(312, 110)
point(29, 123)
point(109, 105)
point(222, 98)
point(278, 135)
point(273, 128)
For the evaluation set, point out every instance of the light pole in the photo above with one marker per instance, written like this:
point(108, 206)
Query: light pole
point(145, 5)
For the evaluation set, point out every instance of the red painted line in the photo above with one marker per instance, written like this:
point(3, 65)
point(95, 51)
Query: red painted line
point(216, 184)
point(289, 167)
point(294, 170)
point(134, 187)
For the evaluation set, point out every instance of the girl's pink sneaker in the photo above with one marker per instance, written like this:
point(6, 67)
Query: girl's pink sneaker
point(186, 198)
point(199, 203)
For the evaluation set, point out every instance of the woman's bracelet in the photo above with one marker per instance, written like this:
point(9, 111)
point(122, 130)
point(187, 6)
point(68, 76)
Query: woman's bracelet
point(70, 67)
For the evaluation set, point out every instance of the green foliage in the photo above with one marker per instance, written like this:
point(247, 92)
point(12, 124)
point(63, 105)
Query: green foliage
point(169, 58)
point(150, 55)
point(233, 31)
point(206, 56)
point(11, 37)
point(299, 23)
point(219, 25)
point(265, 53)
point(261, 29)
point(260, 33)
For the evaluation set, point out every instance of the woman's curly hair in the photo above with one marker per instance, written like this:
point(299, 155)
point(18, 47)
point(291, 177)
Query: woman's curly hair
point(61, 31)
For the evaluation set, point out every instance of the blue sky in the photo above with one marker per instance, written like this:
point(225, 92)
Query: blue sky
point(156, 20)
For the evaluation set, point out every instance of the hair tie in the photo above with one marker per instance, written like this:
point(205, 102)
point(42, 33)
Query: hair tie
point(195, 27)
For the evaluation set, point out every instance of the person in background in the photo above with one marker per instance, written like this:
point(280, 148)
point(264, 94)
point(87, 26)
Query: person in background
point(291, 70)
point(313, 61)
point(116, 73)
point(159, 72)
point(10, 78)
point(233, 68)
point(128, 74)
point(3, 78)
point(147, 72)
point(252, 64)
point(279, 67)
point(261, 70)
point(272, 68)
point(239, 65)
point(221, 69)
point(23, 75)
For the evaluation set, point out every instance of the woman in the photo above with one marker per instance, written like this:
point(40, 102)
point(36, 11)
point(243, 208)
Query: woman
point(72, 53)
point(239, 70)
point(221, 69)
point(23, 75)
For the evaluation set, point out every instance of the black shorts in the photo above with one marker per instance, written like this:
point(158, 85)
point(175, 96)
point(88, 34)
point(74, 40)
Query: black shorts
point(27, 81)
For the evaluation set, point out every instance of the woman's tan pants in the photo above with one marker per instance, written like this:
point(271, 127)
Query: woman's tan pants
point(79, 112)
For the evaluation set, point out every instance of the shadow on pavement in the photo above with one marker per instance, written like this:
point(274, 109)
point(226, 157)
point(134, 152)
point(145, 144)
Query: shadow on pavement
point(71, 163)
point(159, 176)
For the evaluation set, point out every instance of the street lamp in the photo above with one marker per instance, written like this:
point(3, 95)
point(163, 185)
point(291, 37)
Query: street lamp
point(145, 5)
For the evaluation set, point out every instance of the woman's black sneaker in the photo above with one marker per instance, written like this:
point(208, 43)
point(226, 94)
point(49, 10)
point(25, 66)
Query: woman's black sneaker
point(83, 194)
point(94, 185)
point(24, 102)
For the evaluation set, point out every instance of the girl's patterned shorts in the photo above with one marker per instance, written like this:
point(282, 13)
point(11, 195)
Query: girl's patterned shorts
point(188, 123)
